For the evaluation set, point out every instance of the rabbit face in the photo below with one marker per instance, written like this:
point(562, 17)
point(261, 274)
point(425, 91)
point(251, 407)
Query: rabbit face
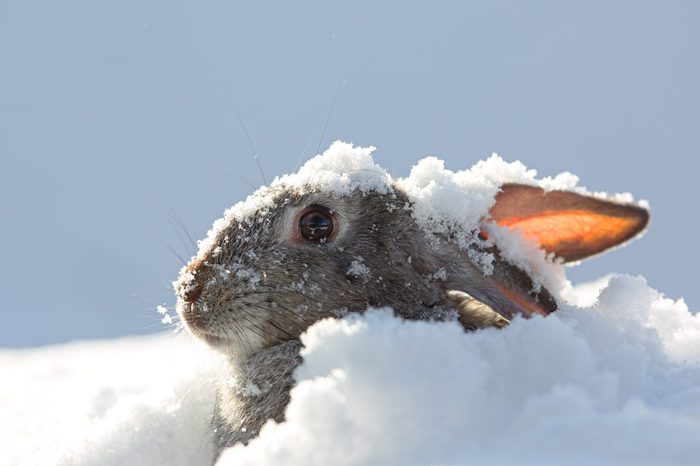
point(266, 278)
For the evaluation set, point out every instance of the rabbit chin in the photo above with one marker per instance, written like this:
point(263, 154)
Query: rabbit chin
point(246, 342)
point(243, 342)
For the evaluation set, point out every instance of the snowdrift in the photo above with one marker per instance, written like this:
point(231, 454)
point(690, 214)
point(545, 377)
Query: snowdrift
point(613, 377)
point(613, 384)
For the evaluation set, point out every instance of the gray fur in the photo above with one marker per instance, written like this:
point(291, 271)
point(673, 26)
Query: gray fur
point(255, 290)
point(253, 391)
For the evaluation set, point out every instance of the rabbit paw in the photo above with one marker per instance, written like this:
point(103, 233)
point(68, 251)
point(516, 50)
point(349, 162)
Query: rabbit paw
point(473, 314)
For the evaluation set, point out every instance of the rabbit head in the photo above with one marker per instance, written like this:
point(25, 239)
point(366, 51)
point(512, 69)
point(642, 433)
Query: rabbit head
point(299, 251)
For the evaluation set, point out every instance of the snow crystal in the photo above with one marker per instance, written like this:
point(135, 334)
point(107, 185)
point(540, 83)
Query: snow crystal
point(250, 389)
point(440, 275)
point(358, 269)
point(167, 318)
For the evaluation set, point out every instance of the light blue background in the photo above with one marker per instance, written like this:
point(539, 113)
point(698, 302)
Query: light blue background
point(109, 108)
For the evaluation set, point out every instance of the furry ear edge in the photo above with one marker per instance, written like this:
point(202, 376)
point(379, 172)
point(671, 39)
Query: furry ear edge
point(570, 225)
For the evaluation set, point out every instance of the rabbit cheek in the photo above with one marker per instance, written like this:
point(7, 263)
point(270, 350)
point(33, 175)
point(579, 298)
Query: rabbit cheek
point(217, 306)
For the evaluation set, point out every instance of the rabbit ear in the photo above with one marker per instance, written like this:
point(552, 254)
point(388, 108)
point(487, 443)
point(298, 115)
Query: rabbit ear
point(570, 225)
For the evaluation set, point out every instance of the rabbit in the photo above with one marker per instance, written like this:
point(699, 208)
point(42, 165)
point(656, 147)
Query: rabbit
point(302, 253)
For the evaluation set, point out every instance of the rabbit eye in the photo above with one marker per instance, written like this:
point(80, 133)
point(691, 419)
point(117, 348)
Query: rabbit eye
point(316, 224)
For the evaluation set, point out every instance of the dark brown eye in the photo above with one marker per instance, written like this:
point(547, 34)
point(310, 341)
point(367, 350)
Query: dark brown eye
point(316, 224)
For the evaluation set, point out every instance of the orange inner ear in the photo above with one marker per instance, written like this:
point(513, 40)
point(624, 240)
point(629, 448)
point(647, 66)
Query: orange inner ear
point(526, 303)
point(568, 224)
point(567, 231)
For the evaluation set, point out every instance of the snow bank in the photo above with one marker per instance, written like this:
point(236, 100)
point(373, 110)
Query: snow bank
point(132, 401)
point(616, 383)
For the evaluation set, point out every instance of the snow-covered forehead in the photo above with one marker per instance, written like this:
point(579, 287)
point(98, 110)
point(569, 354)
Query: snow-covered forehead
point(341, 169)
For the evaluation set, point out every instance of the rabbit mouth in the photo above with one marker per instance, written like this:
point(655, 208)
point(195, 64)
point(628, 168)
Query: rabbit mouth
point(214, 341)
point(224, 335)
point(192, 317)
point(196, 324)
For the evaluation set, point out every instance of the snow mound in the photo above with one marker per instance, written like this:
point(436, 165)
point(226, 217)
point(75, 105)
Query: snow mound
point(618, 383)
point(135, 401)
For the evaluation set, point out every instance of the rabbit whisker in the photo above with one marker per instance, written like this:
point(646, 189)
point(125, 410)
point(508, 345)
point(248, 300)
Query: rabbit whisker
point(172, 250)
point(238, 336)
point(174, 221)
point(254, 327)
point(303, 154)
point(279, 328)
point(187, 232)
point(250, 142)
point(295, 314)
point(330, 114)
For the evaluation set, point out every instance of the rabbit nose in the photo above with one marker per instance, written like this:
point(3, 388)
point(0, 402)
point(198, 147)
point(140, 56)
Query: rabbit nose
point(192, 293)
point(192, 282)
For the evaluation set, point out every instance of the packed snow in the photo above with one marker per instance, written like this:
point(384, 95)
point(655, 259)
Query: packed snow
point(126, 401)
point(615, 383)
point(613, 377)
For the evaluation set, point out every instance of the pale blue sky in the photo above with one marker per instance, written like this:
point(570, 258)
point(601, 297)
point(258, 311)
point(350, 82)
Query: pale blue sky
point(108, 109)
